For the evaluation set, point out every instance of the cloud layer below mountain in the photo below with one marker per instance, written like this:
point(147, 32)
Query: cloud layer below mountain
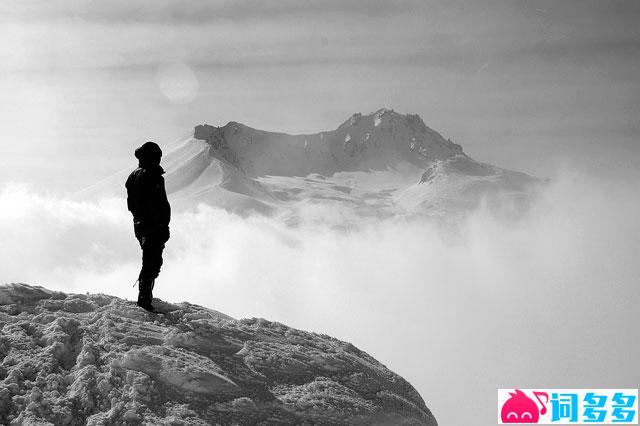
point(547, 300)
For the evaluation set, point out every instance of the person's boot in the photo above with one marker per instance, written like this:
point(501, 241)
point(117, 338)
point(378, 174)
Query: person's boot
point(144, 295)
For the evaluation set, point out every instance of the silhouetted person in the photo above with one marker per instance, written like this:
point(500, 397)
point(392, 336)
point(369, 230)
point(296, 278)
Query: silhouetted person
point(147, 201)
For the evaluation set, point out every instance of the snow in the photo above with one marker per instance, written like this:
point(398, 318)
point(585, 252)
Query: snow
point(459, 185)
point(380, 157)
point(94, 359)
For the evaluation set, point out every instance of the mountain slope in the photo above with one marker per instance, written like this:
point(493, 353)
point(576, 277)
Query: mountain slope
point(71, 359)
point(383, 164)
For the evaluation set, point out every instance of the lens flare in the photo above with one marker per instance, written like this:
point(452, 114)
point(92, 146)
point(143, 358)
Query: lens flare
point(177, 82)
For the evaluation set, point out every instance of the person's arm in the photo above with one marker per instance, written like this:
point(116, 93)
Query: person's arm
point(165, 207)
point(130, 196)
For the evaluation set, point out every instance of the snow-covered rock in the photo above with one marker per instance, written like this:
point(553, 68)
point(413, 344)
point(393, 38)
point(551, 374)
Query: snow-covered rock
point(73, 359)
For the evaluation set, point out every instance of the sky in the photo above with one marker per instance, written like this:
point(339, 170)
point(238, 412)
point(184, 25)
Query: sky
point(520, 84)
point(549, 88)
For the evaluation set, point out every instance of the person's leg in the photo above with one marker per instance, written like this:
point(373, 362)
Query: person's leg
point(145, 295)
point(151, 264)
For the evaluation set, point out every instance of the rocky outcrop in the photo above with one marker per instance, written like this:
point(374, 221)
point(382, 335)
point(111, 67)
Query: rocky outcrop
point(72, 359)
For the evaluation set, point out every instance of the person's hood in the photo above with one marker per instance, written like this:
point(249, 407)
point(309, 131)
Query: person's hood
point(148, 150)
point(149, 155)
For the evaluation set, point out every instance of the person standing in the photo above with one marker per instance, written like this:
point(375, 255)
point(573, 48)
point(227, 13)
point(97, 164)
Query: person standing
point(147, 201)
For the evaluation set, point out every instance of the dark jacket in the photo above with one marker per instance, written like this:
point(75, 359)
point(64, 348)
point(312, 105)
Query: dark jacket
point(147, 201)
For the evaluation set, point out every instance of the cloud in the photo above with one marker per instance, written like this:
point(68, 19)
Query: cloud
point(60, 47)
point(547, 300)
point(197, 12)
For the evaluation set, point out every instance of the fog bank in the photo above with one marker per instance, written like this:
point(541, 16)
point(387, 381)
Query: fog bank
point(549, 300)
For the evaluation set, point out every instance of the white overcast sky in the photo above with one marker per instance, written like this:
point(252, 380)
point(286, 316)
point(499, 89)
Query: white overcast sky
point(520, 84)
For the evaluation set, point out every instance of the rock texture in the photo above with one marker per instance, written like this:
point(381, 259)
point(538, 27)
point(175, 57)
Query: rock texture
point(74, 359)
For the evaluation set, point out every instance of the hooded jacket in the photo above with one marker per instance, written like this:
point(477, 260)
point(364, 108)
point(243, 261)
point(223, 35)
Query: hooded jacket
point(146, 195)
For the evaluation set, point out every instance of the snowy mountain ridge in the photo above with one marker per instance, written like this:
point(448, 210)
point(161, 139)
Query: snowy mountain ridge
point(375, 141)
point(74, 359)
point(381, 165)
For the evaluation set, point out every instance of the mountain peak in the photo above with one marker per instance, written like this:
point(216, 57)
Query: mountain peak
point(375, 141)
point(386, 116)
point(98, 359)
point(374, 118)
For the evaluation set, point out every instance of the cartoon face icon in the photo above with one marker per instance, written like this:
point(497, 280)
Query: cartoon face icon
point(519, 408)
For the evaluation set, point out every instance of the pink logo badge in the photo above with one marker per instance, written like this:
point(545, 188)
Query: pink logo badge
point(519, 408)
